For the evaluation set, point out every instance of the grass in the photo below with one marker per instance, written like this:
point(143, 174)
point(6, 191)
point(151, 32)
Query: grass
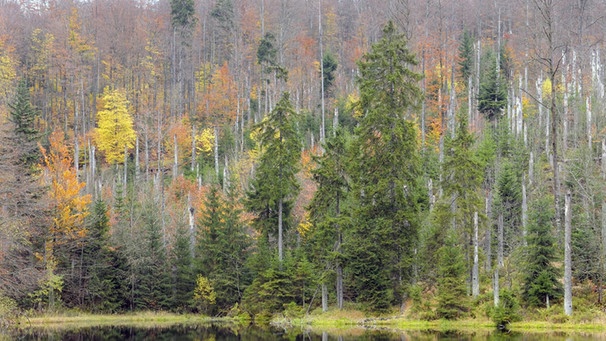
point(141, 319)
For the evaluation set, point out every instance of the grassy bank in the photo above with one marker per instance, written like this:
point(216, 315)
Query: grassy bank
point(346, 319)
point(141, 319)
point(333, 320)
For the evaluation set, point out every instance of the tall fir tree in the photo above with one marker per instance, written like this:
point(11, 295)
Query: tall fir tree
point(466, 56)
point(183, 279)
point(453, 302)
point(492, 97)
point(105, 274)
point(223, 247)
point(541, 277)
point(275, 186)
point(385, 173)
point(327, 206)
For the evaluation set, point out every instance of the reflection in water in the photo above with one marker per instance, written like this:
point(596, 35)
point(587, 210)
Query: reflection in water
point(223, 332)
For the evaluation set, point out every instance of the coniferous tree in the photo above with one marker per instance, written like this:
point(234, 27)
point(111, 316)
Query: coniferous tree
point(466, 56)
point(453, 301)
point(492, 98)
point(223, 248)
point(327, 206)
point(183, 271)
point(275, 186)
point(104, 274)
point(151, 288)
point(330, 67)
point(385, 173)
point(541, 278)
point(23, 116)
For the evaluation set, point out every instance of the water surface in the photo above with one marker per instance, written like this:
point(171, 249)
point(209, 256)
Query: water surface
point(220, 332)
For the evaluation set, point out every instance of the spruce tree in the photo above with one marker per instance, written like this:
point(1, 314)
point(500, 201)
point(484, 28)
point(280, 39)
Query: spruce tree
point(327, 205)
point(223, 247)
point(466, 56)
point(493, 92)
point(385, 173)
point(453, 301)
point(275, 186)
point(151, 289)
point(23, 116)
point(104, 267)
point(541, 283)
point(183, 271)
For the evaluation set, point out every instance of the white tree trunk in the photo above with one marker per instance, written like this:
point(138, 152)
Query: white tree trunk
point(500, 241)
point(475, 276)
point(324, 298)
point(216, 150)
point(176, 158)
point(567, 255)
point(524, 211)
point(280, 254)
point(495, 287)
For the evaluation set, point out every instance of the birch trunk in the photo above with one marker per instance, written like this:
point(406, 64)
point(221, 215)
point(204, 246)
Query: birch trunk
point(324, 298)
point(524, 211)
point(175, 158)
point(475, 276)
point(216, 151)
point(567, 255)
point(280, 255)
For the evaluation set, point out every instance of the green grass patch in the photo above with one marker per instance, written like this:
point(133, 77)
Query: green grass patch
point(71, 320)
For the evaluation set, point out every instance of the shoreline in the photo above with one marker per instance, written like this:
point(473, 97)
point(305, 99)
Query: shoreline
point(320, 321)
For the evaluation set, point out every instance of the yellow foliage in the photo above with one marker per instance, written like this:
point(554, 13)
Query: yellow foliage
point(205, 141)
point(352, 105)
point(546, 87)
point(115, 132)
point(7, 70)
point(42, 45)
point(204, 293)
point(181, 132)
point(305, 225)
point(76, 41)
point(69, 207)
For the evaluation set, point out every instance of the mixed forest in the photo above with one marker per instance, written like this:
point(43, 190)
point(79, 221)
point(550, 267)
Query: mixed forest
point(259, 156)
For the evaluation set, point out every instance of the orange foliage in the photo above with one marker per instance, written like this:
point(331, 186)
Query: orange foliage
point(181, 130)
point(68, 205)
point(218, 104)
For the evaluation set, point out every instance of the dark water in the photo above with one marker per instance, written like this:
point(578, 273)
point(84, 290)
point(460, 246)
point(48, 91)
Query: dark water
point(230, 333)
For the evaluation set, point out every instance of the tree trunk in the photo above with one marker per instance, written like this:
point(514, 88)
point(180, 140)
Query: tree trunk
point(475, 276)
point(339, 286)
point(495, 286)
point(524, 211)
point(500, 241)
point(567, 255)
point(280, 255)
point(176, 158)
point(216, 150)
point(324, 298)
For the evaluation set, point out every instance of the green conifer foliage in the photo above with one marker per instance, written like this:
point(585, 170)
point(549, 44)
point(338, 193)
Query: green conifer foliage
point(466, 56)
point(327, 205)
point(541, 276)
point(385, 173)
point(275, 186)
point(223, 247)
point(23, 116)
point(493, 92)
point(105, 281)
point(453, 302)
point(183, 271)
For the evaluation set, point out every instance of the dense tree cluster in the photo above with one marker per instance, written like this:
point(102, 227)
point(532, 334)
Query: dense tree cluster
point(230, 157)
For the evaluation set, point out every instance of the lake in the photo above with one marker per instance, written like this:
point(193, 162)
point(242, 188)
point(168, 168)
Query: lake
point(221, 332)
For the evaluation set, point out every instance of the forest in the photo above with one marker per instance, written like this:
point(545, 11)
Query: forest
point(253, 157)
